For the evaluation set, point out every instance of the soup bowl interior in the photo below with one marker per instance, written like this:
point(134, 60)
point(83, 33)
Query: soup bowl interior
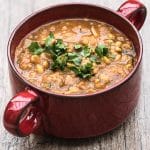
point(70, 11)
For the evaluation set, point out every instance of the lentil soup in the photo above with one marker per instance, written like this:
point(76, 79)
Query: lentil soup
point(75, 56)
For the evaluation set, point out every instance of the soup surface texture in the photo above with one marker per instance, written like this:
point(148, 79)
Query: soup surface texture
point(76, 56)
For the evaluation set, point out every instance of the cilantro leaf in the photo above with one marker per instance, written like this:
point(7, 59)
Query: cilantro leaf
point(84, 71)
point(60, 62)
point(35, 48)
point(75, 58)
point(77, 46)
point(72, 55)
point(75, 69)
point(59, 47)
point(87, 68)
point(85, 51)
point(94, 58)
point(101, 50)
point(49, 39)
point(77, 61)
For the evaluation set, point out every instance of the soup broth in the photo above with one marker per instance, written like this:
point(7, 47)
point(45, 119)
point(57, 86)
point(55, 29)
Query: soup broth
point(75, 56)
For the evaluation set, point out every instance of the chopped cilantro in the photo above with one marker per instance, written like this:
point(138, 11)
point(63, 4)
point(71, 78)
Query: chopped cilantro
point(101, 50)
point(35, 48)
point(95, 59)
point(49, 39)
point(71, 60)
point(74, 58)
point(84, 71)
point(85, 51)
point(77, 46)
point(60, 62)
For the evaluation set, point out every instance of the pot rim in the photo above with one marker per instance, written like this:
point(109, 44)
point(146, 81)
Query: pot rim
point(11, 63)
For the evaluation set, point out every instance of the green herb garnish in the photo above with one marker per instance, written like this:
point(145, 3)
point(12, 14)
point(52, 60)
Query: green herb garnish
point(95, 59)
point(85, 51)
point(55, 48)
point(77, 46)
point(74, 58)
point(35, 48)
point(59, 47)
point(101, 50)
point(49, 40)
point(84, 71)
point(60, 62)
point(71, 60)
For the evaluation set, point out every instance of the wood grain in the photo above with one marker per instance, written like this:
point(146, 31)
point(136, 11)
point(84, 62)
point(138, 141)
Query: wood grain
point(134, 134)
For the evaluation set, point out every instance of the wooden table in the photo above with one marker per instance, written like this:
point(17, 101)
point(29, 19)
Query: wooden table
point(134, 134)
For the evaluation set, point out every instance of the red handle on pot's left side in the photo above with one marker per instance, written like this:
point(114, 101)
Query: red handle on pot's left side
point(134, 11)
point(21, 116)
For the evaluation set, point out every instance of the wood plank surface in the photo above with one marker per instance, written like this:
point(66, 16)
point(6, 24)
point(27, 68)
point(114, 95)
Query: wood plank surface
point(134, 134)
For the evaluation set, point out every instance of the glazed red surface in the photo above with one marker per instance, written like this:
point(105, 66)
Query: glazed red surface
point(15, 109)
point(134, 11)
point(40, 112)
point(86, 116)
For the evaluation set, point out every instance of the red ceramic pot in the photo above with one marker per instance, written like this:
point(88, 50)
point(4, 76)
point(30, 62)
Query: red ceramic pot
point(33, 110)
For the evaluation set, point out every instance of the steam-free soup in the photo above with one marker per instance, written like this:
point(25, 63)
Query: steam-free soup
point(78, 56)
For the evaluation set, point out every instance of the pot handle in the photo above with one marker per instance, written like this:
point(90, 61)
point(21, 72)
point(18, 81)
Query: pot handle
point(134, 11)
point(22, 116)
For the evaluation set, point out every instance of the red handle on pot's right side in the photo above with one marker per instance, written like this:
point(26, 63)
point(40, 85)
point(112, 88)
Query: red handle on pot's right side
point(134, 11)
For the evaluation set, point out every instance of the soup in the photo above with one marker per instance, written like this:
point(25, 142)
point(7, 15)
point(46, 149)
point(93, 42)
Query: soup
point(75, 56)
